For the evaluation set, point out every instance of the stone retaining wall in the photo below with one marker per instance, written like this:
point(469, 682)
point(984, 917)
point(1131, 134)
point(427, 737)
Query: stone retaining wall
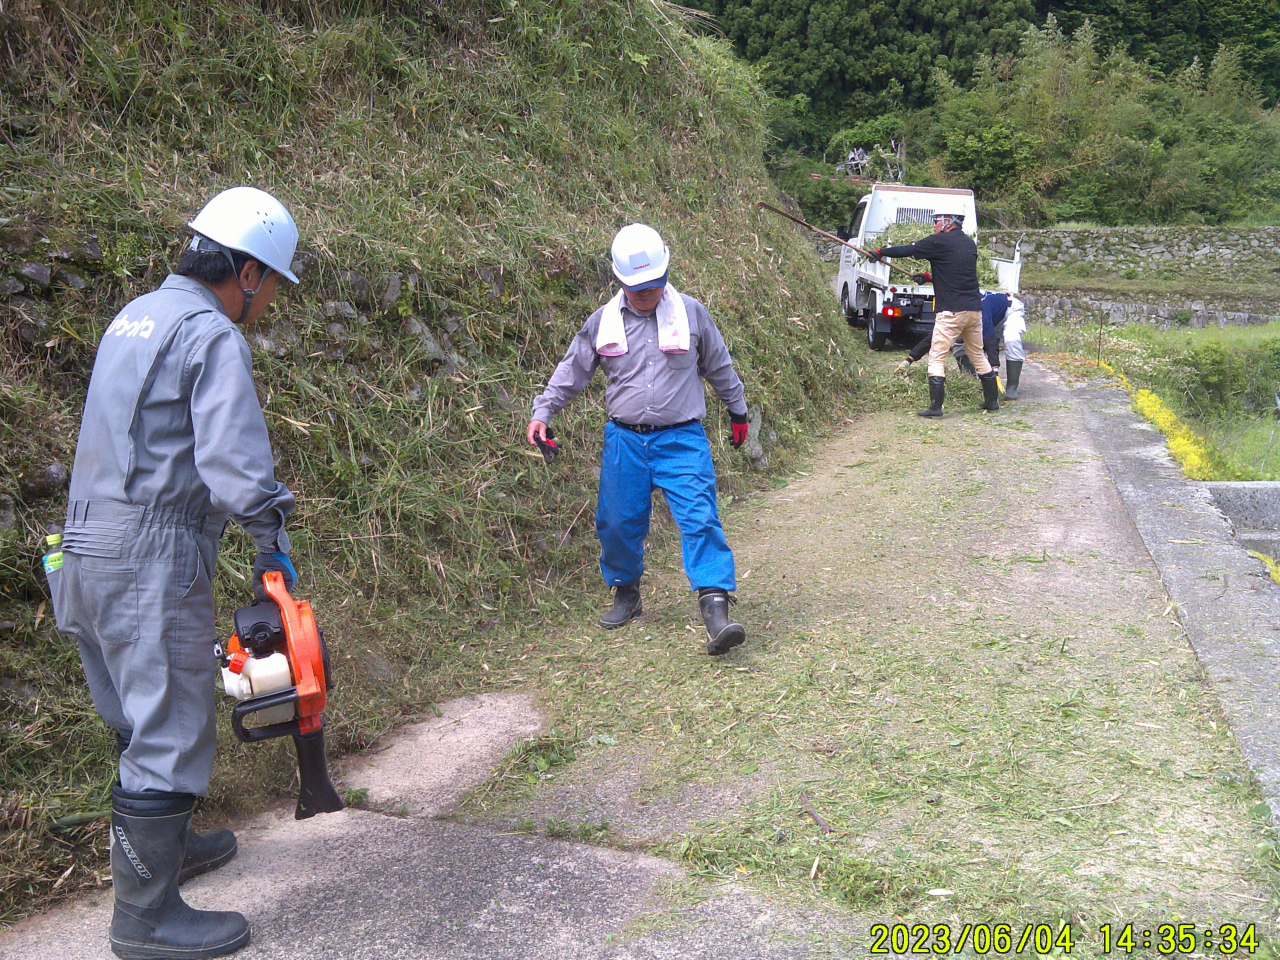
point(1114, 251)
point(1145, 249)
point(1049, 308)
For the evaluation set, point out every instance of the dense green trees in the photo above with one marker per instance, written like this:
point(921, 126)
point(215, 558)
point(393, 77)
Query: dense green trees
point(848, 59)
point(1172, 33)
point(1123, 111)
point(1064, 131)
point(841, 61)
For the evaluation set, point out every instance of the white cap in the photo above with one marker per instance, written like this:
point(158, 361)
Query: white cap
point(251, 222)
point(640, 258)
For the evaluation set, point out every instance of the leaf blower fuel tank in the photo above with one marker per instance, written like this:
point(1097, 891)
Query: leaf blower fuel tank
point(276, 666)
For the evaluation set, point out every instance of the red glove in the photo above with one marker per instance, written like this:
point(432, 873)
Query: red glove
point(922, 277)
point(550, 449)
point(875, 255)
point(740, 428)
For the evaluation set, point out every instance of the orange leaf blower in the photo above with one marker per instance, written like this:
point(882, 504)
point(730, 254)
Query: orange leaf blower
point(277, 666)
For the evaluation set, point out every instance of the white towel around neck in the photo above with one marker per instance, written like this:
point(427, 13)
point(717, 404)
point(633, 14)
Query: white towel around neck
point(673, 325)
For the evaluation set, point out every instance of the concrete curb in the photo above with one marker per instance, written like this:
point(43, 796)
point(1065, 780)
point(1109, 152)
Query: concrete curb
point(1227, 603)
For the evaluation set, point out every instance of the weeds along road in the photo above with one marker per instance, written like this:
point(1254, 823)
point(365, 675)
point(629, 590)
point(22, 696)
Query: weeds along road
point(964, 699)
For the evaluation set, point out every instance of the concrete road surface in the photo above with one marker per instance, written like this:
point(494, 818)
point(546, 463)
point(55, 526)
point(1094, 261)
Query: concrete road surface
point(368, 885)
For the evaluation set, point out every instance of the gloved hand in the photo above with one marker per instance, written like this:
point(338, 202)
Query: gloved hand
point(267, 562)
point(922, 277)
point(550, 449)
point(904, 368)
point(874, 255)
point(740, 428)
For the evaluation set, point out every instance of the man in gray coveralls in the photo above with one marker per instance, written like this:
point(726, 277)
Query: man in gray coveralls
point(172, 445)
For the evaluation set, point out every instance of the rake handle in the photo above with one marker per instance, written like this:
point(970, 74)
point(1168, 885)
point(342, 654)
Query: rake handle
point(829, 236)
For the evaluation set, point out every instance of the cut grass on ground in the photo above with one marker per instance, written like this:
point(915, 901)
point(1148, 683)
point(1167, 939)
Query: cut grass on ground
point(959, 661)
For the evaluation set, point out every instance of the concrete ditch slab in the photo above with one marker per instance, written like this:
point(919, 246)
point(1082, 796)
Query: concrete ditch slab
point(1227, 602)
point(1253, 507)
point(1251, 504)
point(369, 885)
point(423, 769)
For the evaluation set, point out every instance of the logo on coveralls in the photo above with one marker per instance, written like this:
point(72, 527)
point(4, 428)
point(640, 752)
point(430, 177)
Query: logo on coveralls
point(122, 327)
point(127, 847)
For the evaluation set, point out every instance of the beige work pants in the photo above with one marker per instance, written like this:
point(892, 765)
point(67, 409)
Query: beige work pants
point(965, 324)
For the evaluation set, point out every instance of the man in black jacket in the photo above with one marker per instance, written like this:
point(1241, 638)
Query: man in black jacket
point(953, 262)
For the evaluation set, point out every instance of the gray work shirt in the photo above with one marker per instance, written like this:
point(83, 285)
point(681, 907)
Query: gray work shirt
point(172, 420)
point(645, 385)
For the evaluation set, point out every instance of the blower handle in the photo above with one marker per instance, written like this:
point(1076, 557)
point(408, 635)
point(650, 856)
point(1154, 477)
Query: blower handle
point(315, 791)
point(252, 705)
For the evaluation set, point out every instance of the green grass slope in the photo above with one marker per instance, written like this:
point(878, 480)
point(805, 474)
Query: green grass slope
point(457, 170)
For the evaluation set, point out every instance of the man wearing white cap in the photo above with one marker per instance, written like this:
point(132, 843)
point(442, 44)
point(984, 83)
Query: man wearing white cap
point(172, 445)
point(656, 346)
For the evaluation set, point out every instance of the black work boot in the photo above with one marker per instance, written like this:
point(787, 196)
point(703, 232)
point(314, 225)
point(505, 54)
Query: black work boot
point(205, 851)
point(990, 392)
point(148, 842)
point(937, 393)
point(1012, 375)
point(626, 606)
point(722, 633)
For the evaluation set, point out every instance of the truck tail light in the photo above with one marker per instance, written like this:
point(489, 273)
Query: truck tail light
point(891, 312)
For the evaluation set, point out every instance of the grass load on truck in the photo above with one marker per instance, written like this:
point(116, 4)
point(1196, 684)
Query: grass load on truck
point(875, 298)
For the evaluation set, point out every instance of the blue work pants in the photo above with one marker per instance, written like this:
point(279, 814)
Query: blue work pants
point(676, 461)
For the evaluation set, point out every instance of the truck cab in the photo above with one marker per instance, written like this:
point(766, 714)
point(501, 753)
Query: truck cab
point(873, 299)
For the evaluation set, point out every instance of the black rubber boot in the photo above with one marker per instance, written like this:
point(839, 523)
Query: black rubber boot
point(937, 393)
point(722, 633)
point(990, 392)
point(1012, 375)
point(626, 607)
point(148, 842)
point(205, 851)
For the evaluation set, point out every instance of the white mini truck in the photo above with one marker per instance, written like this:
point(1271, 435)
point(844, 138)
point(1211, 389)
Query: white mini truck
point(884, 306)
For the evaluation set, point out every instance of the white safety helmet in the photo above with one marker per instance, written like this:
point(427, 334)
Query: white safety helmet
point(251, 222)
point(640, 258)
point(950, 206)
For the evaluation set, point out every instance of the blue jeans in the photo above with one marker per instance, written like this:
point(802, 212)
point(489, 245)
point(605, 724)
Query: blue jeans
point(677, 462)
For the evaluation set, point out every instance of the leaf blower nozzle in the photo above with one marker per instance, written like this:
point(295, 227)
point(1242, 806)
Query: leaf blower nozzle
point(276, 665)
point(316, 793)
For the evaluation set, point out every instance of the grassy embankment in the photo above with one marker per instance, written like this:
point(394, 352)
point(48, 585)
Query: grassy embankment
point(484, 152)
